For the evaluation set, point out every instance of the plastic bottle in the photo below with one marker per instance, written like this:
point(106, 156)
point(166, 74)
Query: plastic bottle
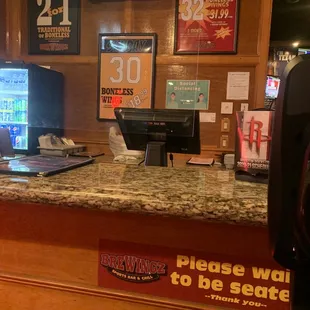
point(15, 106)
point(18, 142)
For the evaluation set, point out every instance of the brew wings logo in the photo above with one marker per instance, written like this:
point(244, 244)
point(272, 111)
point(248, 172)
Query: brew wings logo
point(133, 269)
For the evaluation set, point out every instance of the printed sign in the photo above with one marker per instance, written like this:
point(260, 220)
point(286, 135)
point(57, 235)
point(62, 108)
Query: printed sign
point(206, 26)
point(193, 276)
point(279, 58)
point(253, 141)
point(126, 72)
point(187, 94)
point(54, 26)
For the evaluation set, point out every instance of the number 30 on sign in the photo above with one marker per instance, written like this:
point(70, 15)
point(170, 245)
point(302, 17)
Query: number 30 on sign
point(126, 72)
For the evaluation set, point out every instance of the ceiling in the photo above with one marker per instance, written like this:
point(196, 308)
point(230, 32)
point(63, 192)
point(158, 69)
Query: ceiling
point(290, 20)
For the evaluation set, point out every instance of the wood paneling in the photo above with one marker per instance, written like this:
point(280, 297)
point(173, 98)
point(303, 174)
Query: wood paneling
point(156, 16)
point(52, 247)
point(81, 114)
point(210, 132)
point(2, 28)
point(24, 293)
point(14, 12)
point(160, 19)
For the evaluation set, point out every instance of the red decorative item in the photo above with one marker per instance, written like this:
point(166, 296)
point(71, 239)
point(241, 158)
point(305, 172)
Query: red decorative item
point(192, 276)
point(206, 26)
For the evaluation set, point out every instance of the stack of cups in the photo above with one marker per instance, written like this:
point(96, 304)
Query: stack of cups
point(229, 161)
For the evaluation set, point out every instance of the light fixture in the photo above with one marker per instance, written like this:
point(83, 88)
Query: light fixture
point(295, 44)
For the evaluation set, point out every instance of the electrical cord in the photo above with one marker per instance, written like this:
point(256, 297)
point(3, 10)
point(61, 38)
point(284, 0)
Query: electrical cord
point(171, 159)
point(141, 162)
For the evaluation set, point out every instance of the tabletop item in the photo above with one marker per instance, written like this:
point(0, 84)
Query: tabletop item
point(229, 161)
point(54, 146)
point(42, 165)
point(6, 148)
point(119, 149)
point(201, 161)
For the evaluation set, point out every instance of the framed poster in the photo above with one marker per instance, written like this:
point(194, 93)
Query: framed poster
point(206, 27)
point(54, 27)
point(187, 94)
point(126, 72)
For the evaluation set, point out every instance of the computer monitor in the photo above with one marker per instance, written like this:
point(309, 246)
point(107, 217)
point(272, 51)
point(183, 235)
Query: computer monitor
point(304, 51)
point(160, 131)
point(6, 148)
point(272, 87)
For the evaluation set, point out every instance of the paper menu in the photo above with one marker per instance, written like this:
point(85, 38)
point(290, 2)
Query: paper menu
point(238, 85)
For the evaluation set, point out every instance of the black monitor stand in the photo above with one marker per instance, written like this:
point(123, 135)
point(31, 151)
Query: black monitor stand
point(156, 154)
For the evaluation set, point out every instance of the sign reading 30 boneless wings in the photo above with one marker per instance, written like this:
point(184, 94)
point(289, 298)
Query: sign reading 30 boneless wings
point(126, 72)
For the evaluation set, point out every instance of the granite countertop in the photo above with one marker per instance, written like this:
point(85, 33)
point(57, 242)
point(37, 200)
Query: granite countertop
point(198, 193)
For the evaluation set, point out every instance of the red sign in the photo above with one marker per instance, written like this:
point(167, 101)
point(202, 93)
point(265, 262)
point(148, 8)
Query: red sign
point(253, 141)
point(193, 276)
point(206, 26)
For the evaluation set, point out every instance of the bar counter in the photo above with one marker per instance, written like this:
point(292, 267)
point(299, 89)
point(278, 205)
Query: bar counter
point(209, 194)
point(51, 228)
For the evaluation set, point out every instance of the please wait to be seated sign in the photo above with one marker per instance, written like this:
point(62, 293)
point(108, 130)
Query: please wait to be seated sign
point(193, 277)
point(236, 288)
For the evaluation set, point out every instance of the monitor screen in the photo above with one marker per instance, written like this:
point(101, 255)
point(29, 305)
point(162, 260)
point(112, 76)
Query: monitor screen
point(304, 51)
point(272, 87)
point(173, 131)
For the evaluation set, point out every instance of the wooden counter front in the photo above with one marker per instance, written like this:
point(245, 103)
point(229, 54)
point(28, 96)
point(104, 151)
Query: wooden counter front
point(49, 250)
point(49, 255)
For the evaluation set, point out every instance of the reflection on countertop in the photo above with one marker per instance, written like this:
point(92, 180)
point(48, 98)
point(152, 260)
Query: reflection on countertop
point(198, 193)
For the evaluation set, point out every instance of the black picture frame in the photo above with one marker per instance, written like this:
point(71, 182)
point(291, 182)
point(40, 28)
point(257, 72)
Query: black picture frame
point(73, 42)
point(154, 53)
point(233, 52)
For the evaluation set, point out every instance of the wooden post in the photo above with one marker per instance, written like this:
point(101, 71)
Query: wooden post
point(128, 17)
point(13, 28)
point(262, 52)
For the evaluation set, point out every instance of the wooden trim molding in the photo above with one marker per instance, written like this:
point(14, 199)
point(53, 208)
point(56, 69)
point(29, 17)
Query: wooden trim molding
point(13, 28)
point(207, 148)
point(241, 61)
point(210, 60)
point(263, 52)
point(103, 293)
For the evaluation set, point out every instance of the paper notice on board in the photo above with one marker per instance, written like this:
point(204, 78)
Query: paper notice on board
point(238, 84)
point(207, 117)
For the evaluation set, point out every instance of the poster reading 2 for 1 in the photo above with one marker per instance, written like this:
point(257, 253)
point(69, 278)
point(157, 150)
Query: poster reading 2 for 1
point(54, 27)
point(206, 26)
point(126, 72)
